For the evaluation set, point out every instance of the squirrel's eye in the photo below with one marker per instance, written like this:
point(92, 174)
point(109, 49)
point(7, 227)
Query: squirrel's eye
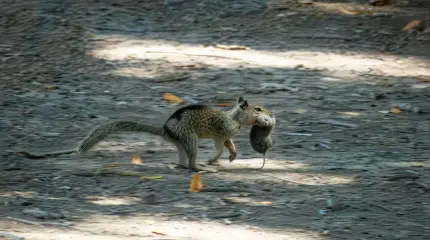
point(258, 109)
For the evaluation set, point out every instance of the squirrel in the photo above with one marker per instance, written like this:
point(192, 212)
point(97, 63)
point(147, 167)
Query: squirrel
point(260, 138)
point(183, 128)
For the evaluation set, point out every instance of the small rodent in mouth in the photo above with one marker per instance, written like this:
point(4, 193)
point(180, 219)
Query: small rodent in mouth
point(260, 138)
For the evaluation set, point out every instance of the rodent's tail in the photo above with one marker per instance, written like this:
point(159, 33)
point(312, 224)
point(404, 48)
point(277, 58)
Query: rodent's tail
point(43, 156)
point(102, 132)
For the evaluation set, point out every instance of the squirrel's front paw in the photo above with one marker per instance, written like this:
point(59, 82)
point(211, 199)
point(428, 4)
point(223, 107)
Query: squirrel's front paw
point(232, 157)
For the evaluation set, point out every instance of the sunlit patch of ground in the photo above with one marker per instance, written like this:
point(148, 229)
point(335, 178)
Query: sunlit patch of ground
point(345, 67)
point(143, 227)
point(280, 171)
point(112, 201)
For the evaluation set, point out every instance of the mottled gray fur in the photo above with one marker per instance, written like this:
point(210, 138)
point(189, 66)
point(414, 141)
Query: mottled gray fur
point(183, 128)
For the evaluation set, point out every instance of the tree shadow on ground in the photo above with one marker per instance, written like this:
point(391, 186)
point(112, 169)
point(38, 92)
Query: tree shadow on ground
point(265, 25)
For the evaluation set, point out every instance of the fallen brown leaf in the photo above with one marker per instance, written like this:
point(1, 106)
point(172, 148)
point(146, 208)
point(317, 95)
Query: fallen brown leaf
point(135, 159)
point(196, 183)
point(411, 25)
point(168, 97)
point(396, 110)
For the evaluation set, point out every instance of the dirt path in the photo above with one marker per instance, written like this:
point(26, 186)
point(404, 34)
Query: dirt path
point(70, 65)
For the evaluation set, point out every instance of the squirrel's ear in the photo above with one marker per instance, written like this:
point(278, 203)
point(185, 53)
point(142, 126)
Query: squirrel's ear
point(241, 99)
point(244, 105)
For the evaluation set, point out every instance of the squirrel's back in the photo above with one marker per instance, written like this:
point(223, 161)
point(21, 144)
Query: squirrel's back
point(203, 120)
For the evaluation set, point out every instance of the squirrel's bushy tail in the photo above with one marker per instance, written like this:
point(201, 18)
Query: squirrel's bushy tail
point(100, 133)
point(97, 135)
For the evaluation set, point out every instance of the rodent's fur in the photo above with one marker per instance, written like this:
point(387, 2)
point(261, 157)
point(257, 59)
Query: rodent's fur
point(183, 128)
point(260, 138)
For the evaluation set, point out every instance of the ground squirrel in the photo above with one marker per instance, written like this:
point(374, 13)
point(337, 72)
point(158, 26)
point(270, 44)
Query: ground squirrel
point(260, 138)
point(183, 128)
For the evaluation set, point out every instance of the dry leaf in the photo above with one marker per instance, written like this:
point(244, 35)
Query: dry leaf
point(135, 159)
point(159, 233)
point(265, 203)
point(411, 25)
point(51, 87)
point(196, 183)
point(168, 97)
point(396, 110)
point(148, 178)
